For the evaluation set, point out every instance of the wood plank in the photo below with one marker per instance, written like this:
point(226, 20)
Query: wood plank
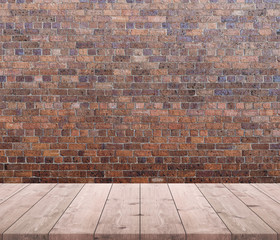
point(8, 190)
point(272, 190)
point(120, 218)
point(80, 220)
point(159, 217)
point(265, 207)
point(200, 220)
point(17, 205)
point(240, 220)
point(39, 220)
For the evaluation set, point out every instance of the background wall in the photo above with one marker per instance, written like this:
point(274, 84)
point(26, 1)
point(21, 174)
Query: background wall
point(139, 91)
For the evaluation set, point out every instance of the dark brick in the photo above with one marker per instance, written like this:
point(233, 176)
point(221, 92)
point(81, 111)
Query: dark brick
point(250, 125)
point(157, 59)
point(3, 78)
point(223, 92)
point(229, 19)
point(275, 146)
point(276, 78)
point(121, 58)
point(84, 44)
point(67, 71)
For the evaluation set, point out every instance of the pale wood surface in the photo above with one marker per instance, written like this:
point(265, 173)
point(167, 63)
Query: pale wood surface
point(265, 207)
point(12, 209)
point(159, 217)
point(272, 190)
point(120, 217)
point(80, 220)
point(199, 219)
point(241, 221)
point(139, 211)
point(8, 190)
point(40, 219)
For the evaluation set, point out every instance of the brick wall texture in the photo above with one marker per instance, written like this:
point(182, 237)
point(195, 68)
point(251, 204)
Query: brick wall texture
point(139, 91)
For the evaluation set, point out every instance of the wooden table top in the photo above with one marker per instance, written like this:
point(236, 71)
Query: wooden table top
point(139, 211)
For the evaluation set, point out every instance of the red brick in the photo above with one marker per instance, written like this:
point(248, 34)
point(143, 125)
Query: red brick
point(137, 95)
point(123, 153)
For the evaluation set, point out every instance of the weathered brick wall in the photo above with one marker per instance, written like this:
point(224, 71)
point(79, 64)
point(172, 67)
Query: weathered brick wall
point(139, 91)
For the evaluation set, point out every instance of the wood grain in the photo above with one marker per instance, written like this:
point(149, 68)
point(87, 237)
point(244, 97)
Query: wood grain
point(120, 218)
point(272, 190)
point(8, 190)
point(159, 217)
point(131, 211)
point(240, 220)
point(12, 209)
point(265, 207)
point(40, 219)
point(200, 220)
point(80, 220)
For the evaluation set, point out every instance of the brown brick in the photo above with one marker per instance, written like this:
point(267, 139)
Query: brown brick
point(127, 94)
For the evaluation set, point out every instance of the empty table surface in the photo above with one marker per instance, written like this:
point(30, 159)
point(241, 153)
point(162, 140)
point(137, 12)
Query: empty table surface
point(139, 211)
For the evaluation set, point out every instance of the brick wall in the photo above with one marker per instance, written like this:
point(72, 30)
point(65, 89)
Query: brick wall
point(139, 90)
